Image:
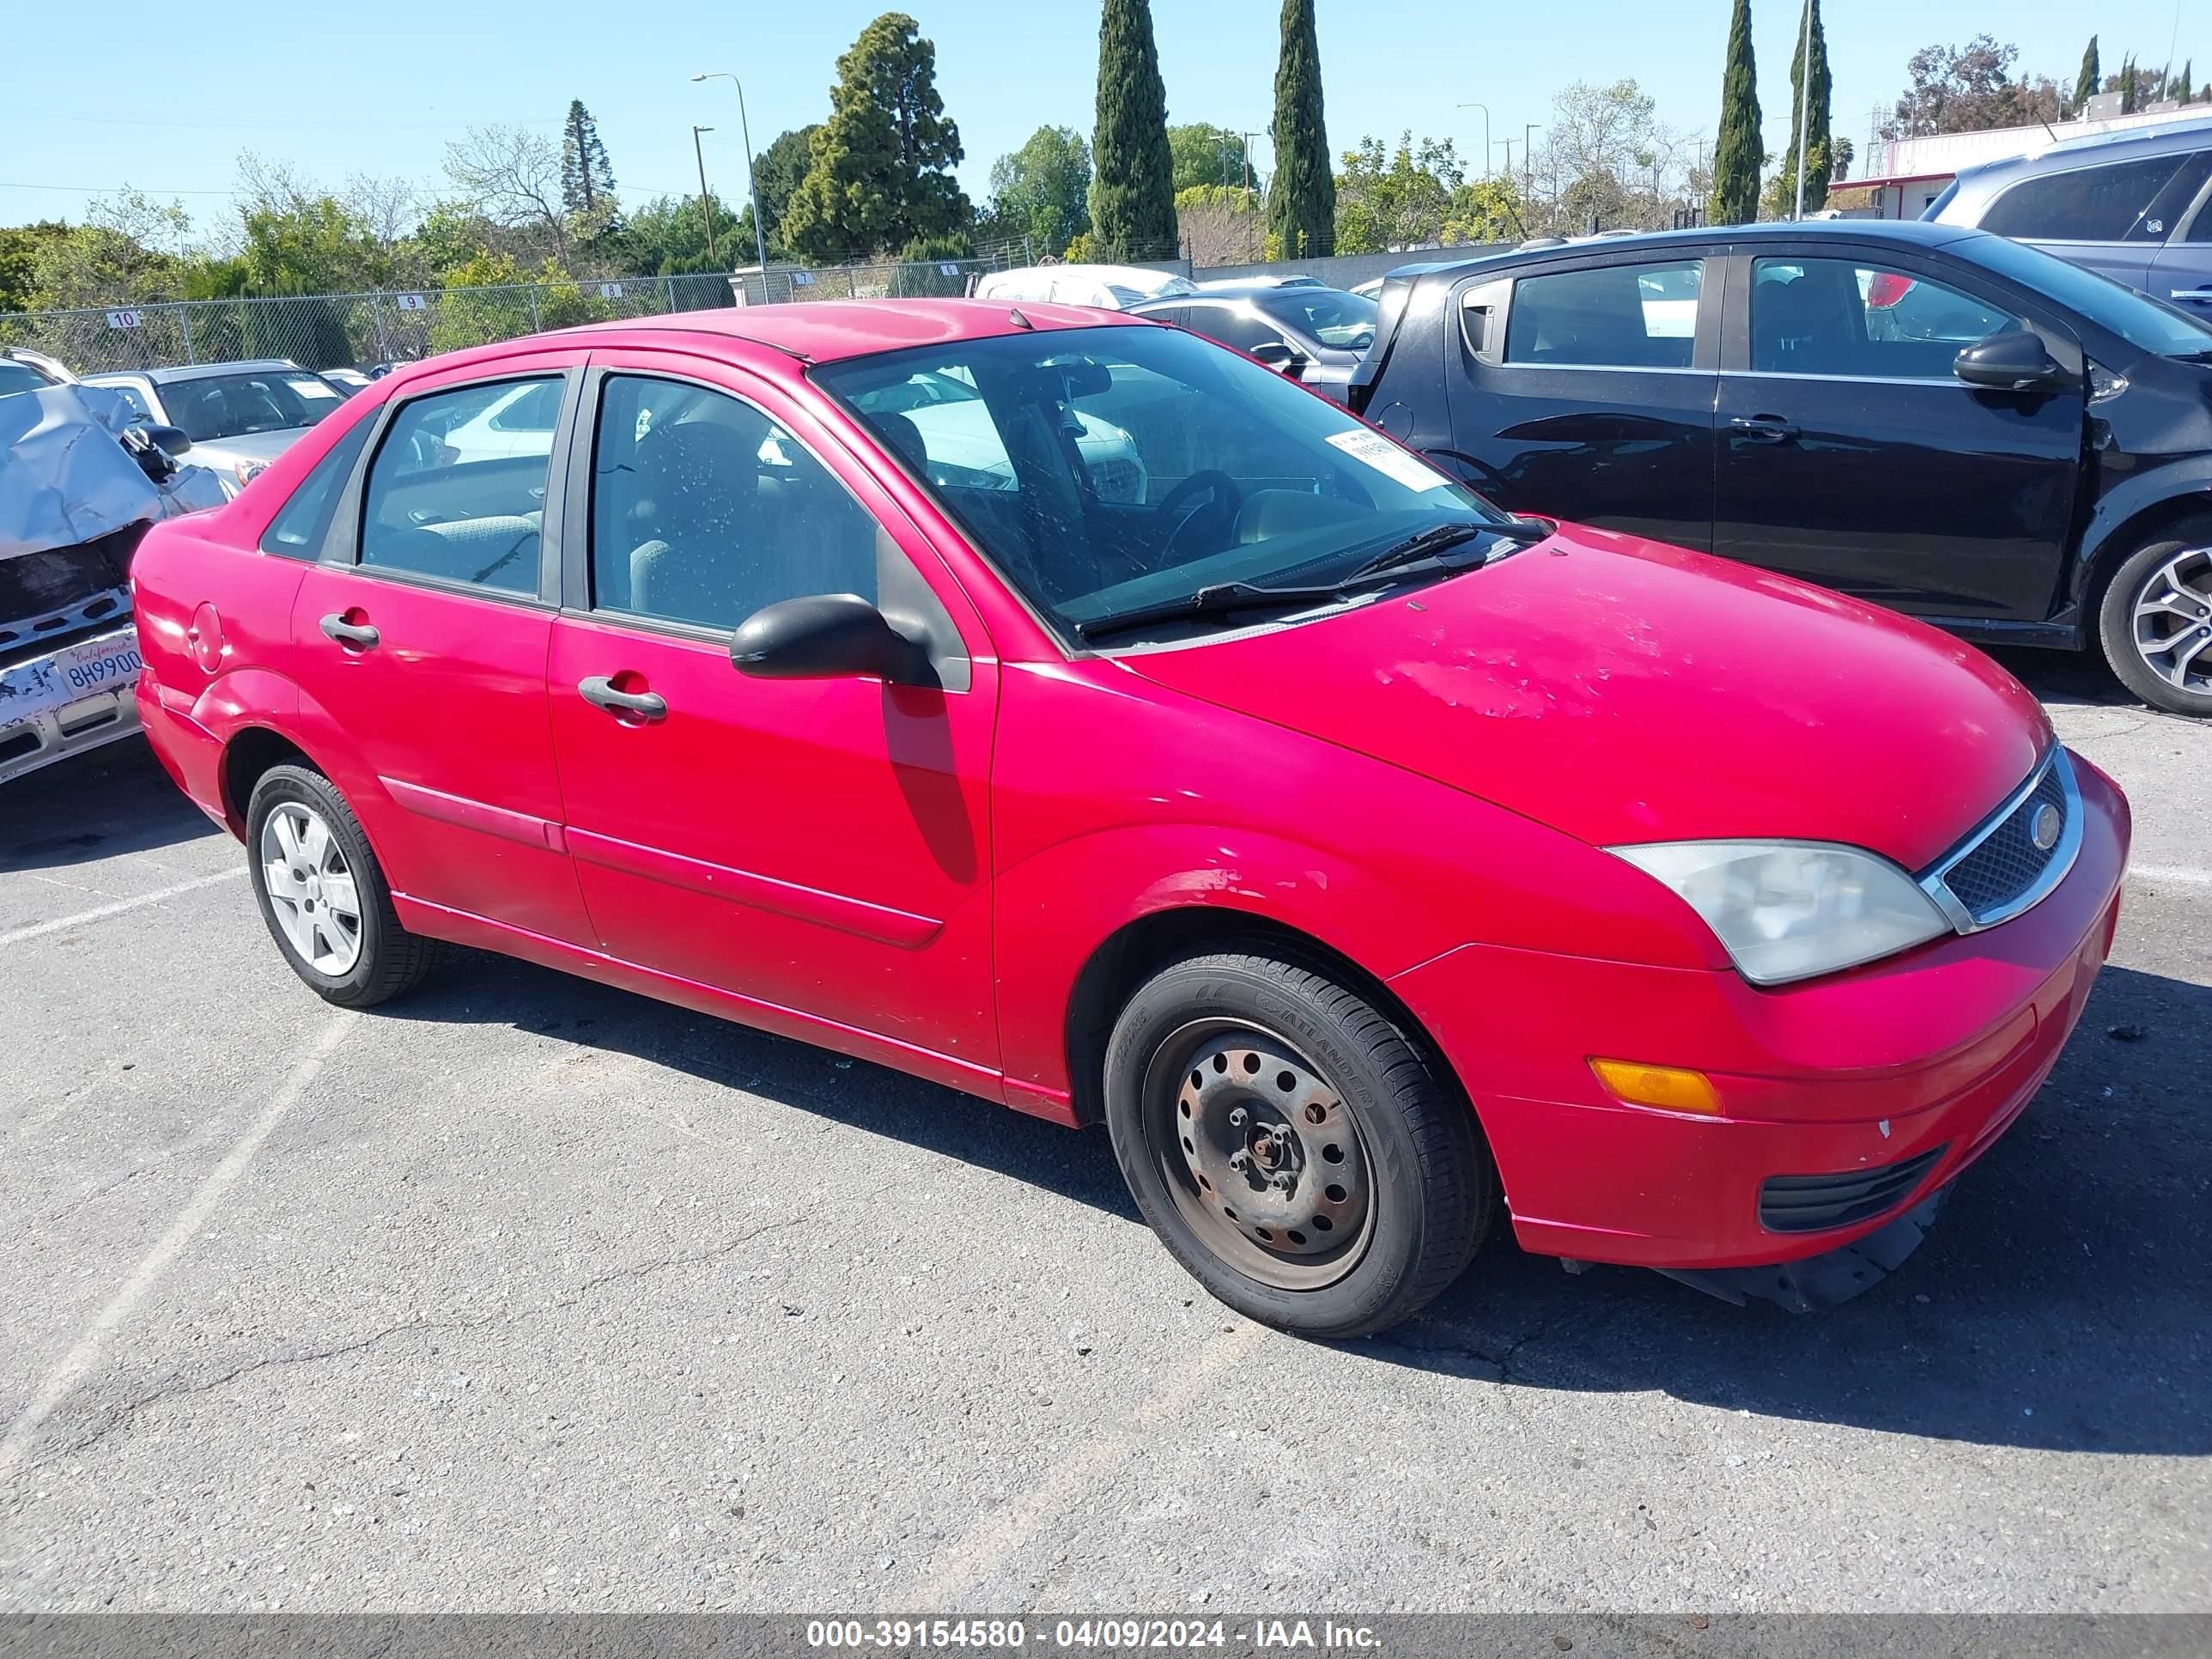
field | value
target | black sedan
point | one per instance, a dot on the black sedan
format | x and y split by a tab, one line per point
1929	417
1315	335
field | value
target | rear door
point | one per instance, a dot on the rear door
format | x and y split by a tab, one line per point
419	641
819	846
1585	391
1851	456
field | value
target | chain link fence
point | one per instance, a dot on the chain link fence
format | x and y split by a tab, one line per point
358	330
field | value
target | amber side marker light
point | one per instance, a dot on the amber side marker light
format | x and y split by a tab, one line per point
1664	1088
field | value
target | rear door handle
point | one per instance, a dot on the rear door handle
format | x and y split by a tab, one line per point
1764	428
357	636
599	691
2202	295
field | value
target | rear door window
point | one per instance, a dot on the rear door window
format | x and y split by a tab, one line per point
461	515
1608	317
2117	202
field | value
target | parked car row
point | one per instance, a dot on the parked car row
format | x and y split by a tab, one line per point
1378	865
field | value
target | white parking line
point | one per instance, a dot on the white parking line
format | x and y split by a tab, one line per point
985	1547
101	912
80	1360
2181	873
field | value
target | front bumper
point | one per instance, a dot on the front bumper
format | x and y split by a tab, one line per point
1917	1063
74	697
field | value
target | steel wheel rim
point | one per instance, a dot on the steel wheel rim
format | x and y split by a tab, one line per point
310	888
2172	621
1285	1193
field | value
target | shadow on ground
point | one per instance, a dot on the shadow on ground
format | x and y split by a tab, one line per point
2062	1301
114	800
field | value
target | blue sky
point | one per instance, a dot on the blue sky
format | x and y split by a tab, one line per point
332	89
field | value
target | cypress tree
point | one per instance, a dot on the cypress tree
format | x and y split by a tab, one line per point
1739	154
1302	203
2091	77
1132	187
2180	91
2128	86
1818	147
587	178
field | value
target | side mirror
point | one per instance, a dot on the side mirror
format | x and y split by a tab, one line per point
2012	361
170	440
1277	354
826	636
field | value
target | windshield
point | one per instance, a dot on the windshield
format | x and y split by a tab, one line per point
1105	469
2146	324
232	405
1326	314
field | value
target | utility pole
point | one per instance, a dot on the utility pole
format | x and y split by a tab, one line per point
1247	138
706	201
1484	108
1507	144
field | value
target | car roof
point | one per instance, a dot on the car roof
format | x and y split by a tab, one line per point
1254	289
817	330
1913	233
2165	139
180	372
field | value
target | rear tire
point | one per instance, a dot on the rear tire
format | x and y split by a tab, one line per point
324	895
1292	1149
2156	621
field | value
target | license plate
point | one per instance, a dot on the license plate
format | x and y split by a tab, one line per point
110	662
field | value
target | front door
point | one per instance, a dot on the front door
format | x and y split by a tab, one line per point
1851	456
1587	393
818	845
420	664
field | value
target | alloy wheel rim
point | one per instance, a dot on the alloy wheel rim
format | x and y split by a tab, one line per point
310	888
2172	621
1260	1153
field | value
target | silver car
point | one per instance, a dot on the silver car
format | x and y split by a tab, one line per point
2134	204
240	417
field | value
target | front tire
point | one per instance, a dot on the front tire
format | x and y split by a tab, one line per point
323	894
2155	621
1291	1148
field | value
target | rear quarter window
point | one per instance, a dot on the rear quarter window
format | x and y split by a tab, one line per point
303	522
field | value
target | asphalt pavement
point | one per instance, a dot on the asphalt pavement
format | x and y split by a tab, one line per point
525	1294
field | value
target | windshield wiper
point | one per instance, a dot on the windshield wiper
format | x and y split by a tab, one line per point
1427	544
1216	599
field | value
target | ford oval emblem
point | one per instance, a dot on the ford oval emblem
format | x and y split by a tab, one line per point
2044	828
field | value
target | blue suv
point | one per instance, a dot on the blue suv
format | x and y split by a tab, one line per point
2135	204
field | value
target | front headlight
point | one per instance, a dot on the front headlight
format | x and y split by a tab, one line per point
1790	910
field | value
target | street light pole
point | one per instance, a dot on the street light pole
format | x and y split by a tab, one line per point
1528	131
1484	108
752	174
706	201
1804	100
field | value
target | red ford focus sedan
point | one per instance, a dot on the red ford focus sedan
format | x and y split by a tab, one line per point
1078	714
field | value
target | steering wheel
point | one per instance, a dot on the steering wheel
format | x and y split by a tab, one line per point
1175	510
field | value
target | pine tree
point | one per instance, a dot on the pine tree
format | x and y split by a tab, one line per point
2086	83
588	178
1132	187
879	170
1740	154
1819	146
1301	202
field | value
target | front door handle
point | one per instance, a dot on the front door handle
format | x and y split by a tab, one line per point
2202	295
599	691
355	636
1764	428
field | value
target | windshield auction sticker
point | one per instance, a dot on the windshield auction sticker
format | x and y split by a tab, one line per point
1385	457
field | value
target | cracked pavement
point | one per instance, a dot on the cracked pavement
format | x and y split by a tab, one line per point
540	1297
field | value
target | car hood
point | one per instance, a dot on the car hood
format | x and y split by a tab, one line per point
1621	691
247	447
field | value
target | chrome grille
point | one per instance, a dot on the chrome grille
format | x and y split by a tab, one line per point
1999	872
